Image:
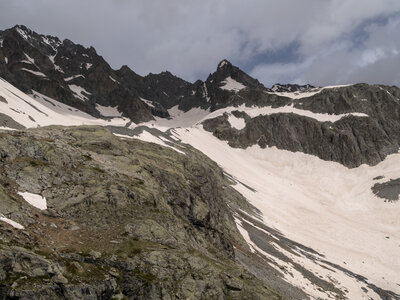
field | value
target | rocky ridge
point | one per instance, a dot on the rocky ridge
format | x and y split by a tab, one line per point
366	135
79	77
282	88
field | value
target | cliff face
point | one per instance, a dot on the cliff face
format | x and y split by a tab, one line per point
364	129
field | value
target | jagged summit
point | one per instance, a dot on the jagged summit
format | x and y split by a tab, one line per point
227	71
223	63
79	77
33	37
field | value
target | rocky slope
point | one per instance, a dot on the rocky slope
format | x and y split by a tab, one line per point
123	218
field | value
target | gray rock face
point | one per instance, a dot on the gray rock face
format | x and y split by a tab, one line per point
45	64
6	121
52	67
389	190
291	88
378	101
218	97
351	141
31	61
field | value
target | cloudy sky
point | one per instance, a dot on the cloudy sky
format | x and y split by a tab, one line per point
320	42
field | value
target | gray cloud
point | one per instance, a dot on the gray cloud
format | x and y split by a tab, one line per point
316	41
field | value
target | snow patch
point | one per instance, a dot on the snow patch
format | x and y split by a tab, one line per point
56	67
179	118
148	102
148	137
255	111
108	111
22	33
46	41
34	200
73	77
205	94
222	63
40	74
231	84
79	92
6	128
11	222
113	79
235	122
30	59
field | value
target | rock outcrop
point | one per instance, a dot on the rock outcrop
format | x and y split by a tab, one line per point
124	218
366	137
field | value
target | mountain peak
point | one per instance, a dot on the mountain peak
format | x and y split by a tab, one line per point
23	31
224	63
227	71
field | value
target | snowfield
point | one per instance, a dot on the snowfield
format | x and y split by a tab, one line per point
321	204
38	110
317	203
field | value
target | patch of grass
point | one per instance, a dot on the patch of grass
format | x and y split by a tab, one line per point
148	278
69	250
134	247
139	181
71	268
87	156
45	139
36	280
44	252
97	169
212	251
88	274
86	252
24	280
31	161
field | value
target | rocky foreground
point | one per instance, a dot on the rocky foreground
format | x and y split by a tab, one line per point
124	218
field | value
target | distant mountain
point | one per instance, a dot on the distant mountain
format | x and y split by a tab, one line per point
79	77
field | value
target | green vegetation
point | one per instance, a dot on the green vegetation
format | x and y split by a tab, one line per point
29	160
